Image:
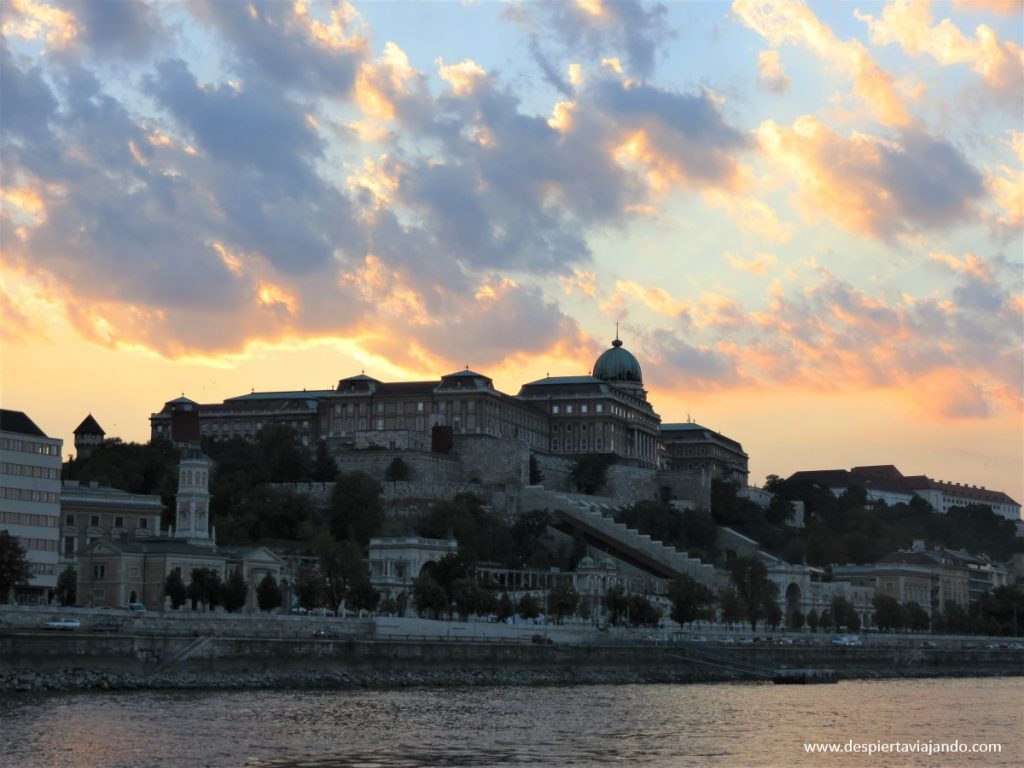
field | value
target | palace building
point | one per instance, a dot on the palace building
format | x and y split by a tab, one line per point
606	412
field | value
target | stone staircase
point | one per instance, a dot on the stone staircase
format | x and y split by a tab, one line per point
595	515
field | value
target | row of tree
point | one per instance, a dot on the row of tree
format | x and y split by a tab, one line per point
207	591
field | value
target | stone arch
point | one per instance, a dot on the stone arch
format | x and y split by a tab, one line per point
792	598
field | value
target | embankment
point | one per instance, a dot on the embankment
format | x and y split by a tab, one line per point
50	661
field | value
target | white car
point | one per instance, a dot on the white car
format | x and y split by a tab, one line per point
64	624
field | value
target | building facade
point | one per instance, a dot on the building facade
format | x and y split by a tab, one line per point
886	483
30	464
606	413
690	446
89	512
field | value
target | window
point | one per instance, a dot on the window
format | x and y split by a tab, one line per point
380	425
69	519
583	408
554	409
599	407
99	571
119	522
143	522
69	545
94	520
568	410
419	407
380	407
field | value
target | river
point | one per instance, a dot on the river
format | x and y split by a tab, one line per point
718	724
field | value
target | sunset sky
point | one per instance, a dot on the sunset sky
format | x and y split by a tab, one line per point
806	218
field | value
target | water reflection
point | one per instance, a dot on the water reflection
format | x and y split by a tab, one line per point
658	725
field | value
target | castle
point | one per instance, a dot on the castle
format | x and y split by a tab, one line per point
492	435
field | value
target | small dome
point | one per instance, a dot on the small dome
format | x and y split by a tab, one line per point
617	365
586	562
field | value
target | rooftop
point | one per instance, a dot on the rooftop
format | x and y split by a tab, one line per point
19	423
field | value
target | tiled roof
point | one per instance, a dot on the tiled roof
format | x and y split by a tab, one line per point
89	426
303	394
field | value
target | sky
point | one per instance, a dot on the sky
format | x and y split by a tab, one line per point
804	217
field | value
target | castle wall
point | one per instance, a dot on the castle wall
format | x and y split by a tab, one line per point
493	461
424	466
687	485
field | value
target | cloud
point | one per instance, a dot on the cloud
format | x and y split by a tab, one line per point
871	186
596	29
909	24
770	74
1006	185
121	27
788	22
758	264
317	51
31	20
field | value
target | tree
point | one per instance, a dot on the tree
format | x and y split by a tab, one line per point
14	565
536	476
325	469
205	588
341	565
362	596
398	470
917	617
310	588
429	597
812	620
780	511
175	589
356	509
795	620
67	586
590	472
691	600
616	604
468	597
845	614
642	613
562	600
731	605
528	607
887	613
505	609
268	594
235	592
774	616
750	578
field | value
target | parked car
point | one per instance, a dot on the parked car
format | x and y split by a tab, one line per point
65	624
542	640
928	644
847	640
136	607
327	632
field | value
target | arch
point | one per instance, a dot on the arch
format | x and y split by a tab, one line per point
427	568
134	597
792	597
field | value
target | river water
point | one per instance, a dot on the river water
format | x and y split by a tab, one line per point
646	725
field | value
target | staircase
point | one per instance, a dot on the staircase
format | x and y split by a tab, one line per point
594	517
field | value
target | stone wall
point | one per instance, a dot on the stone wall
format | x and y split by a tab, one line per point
492	461
693	487
424	466
630	483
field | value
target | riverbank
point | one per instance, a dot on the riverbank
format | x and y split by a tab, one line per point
52	662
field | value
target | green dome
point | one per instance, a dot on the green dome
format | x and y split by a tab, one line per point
617	365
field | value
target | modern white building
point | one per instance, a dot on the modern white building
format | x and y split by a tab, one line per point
30	464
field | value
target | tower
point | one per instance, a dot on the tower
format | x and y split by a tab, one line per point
192	503
88	435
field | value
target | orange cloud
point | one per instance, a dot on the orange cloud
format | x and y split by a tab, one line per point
752	215
1006	185
657	299
380	82
1002	7
909	24
869	185
30	20
758	264
770	74
463	77
789	22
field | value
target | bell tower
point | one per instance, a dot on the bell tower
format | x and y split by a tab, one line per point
192	503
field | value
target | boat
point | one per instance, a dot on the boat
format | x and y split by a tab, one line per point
785	676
